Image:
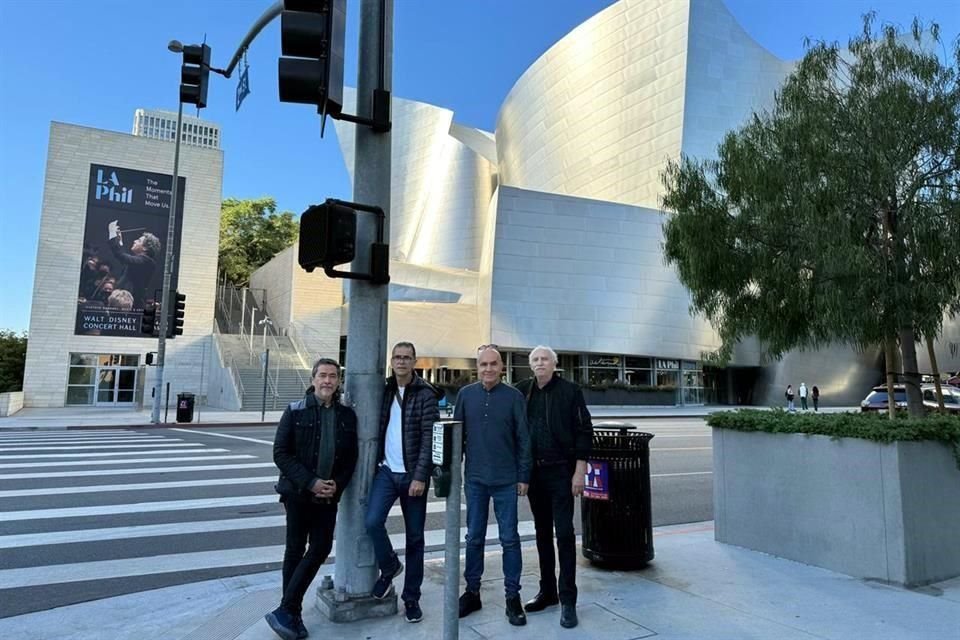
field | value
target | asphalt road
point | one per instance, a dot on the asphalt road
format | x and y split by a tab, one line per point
88	514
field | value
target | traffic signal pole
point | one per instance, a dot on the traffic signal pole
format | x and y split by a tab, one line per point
167	272
356	569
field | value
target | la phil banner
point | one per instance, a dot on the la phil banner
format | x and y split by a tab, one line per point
123	248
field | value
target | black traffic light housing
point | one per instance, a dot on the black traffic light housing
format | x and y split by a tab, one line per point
177	312
195	74
149	324
312	39
328	238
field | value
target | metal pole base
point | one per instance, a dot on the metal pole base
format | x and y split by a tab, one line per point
337	606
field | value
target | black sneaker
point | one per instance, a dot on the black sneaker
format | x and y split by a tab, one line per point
413	612
515	614
301	629
384	583
469	602
282	623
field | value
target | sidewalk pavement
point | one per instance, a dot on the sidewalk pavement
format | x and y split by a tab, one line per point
61	417
695	589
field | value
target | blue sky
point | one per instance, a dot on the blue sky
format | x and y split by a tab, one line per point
94	62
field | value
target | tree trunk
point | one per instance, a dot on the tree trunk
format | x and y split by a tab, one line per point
911	374
890	357
936	374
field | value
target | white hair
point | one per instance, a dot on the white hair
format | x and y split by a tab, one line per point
543	347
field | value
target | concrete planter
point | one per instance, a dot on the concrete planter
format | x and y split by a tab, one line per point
625	397
10	403
888	512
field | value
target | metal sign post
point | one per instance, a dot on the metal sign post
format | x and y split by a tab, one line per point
447	452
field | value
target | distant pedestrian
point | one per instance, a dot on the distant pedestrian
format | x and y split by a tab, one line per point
803	395
789	396
816	398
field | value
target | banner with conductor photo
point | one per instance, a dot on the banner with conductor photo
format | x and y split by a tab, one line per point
124	244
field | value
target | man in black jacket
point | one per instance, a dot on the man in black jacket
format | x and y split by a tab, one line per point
407	414
316	451
561	433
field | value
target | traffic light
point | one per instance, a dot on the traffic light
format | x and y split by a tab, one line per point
177	311
328	236
195	74
148	323
312	34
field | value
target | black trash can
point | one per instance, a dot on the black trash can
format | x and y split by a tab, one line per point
185	402
615	511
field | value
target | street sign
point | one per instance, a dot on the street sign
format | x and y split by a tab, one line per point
243	86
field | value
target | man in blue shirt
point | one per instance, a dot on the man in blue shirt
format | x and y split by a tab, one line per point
498	463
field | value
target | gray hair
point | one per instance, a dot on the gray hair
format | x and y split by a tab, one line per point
151	243
324	361
120	299
543	347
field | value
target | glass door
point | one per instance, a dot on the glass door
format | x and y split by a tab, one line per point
116	386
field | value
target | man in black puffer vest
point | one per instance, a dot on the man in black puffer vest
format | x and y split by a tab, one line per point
561	433
407	415
316	451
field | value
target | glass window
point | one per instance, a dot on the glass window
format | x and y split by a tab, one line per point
81	375
634	362
668	379
570	366
129	360
87	359
639	377
599	360
79	395
668	364
602	376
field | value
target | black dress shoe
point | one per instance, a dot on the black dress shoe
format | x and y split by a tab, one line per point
568	616
540	602
469	602
515	614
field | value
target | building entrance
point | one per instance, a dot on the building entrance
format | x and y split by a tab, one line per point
116	386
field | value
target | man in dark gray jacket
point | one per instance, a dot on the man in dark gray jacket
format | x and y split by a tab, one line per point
498	464
316	451
407	414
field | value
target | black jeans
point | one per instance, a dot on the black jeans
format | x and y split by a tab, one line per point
305	521
551	501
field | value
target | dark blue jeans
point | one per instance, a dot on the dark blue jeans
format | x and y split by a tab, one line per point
387	487
478	511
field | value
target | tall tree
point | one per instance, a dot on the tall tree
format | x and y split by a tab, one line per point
251	233
835	215
13	355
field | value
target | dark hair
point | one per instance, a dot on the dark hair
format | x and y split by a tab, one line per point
324	361
408	345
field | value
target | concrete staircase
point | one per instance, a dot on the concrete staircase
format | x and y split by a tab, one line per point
287	380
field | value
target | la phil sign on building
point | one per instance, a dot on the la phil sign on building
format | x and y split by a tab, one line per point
125	230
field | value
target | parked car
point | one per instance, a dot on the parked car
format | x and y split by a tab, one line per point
955	380
951	398
877	400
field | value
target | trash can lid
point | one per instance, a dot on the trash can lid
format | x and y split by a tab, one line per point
624	429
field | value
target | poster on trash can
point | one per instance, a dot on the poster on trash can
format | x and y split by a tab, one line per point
597	484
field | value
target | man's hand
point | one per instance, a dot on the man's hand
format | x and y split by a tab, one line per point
112	230
417	487
522	488
579	478
324	488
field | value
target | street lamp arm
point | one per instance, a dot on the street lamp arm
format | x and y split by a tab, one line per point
272	12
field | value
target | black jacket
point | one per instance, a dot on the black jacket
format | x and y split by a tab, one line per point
296	448
419	411
567	416
137	273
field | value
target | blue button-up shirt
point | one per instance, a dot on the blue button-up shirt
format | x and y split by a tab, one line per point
497	437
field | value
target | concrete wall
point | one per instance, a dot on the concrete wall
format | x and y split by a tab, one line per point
276	279
221	391
71	151
10	403
880	511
